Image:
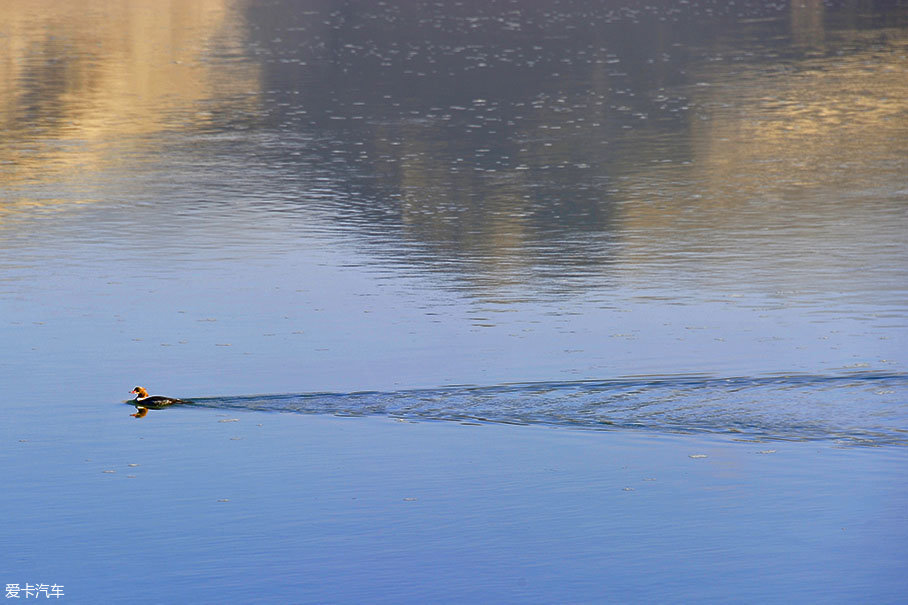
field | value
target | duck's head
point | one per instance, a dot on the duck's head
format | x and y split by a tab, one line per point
140	392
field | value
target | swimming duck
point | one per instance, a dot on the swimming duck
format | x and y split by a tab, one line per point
143	402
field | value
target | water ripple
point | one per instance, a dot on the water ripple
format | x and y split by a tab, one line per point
861	408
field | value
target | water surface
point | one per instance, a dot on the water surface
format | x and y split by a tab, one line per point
412	195
672	218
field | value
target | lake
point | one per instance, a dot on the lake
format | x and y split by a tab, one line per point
526	232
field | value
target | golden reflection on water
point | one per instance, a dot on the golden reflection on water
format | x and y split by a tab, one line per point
807	22
86	85
832	130
788	158
799	167
767	145
91	90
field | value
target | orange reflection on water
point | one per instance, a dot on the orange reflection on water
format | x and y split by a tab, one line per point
83	86
776	148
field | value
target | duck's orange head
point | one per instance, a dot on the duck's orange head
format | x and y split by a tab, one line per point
140	392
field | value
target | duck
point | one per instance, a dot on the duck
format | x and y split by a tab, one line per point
143	402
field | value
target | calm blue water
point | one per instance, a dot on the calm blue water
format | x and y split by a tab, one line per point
680	218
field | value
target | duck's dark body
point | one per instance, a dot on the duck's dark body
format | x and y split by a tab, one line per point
155	402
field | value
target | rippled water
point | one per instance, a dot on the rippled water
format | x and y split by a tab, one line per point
277	197
269	197
681	217
779	407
